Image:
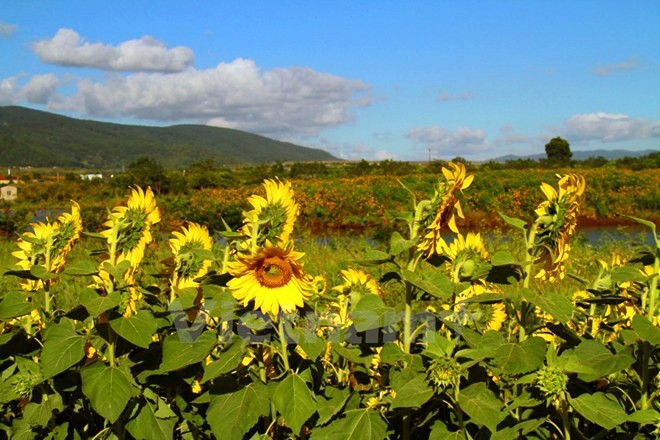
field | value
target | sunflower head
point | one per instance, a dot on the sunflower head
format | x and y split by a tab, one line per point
441	211
272	217
129	227
357	282
191	247
273	278
485	316
49	244
465	253
444	373
556	221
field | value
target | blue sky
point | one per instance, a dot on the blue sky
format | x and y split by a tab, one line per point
368	79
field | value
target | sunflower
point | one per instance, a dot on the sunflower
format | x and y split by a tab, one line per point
272	277
48	244
442	210
485	316
129	227
465	253
273	216
556	222
358	280
191	248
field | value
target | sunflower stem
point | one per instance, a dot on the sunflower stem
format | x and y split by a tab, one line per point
406	320
283	343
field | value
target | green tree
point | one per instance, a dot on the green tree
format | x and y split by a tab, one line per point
558	150
145	171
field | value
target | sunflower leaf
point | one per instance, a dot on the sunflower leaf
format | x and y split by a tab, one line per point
357	424
178	354
294	400
229	359
63	347
108	388
600	409
14	305
137	329
232	415
372	313
515	222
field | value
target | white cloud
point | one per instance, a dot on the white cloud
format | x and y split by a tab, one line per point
354	151
7	29
508	136
9	91
630	64
285	101
462	141
445	96
67	48
40	88
608	127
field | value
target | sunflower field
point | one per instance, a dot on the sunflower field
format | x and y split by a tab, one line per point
230	336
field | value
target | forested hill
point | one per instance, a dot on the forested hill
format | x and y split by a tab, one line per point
41	139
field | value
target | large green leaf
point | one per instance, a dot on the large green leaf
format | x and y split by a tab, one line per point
230	358
14	304
592	360
646	330
398	244
178	354
97	304
520	358
108	389
155	420
232	415
357	424
310	342
599	408
137	329
63	348
330	404
515	222
411	388
39	414
483	407
293	399
559	306
372	313
81	268
436	284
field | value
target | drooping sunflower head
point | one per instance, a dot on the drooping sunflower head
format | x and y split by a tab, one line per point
556	221
191	247
483	315
273	278
129	227
358	282
442	209
274	215
70	227
465	253
49	243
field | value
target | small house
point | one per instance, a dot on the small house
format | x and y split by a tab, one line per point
8	192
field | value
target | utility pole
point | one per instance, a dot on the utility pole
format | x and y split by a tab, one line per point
429	155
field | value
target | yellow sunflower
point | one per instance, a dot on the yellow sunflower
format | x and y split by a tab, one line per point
191	248
485	316
272	277
129	227
127	236
48	244
274	215
358	280
556	222
443	209
465	253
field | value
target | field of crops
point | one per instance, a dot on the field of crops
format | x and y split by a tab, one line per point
221	313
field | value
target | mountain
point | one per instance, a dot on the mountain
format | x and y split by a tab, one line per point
36	138
582	155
